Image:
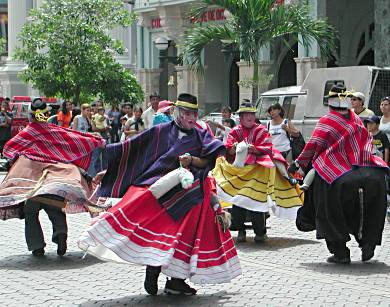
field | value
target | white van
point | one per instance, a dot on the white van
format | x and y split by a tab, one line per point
305	104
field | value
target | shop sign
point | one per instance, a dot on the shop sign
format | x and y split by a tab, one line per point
156	23
216	14
210	15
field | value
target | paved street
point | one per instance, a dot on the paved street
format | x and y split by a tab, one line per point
289	269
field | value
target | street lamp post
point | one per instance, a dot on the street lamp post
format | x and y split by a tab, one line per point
167	77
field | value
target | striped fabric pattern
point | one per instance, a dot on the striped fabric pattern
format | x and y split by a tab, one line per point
261	139
257	188
337	144
139	230
49	143
145	158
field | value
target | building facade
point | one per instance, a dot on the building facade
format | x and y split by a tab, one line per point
363	27
364	39
13	14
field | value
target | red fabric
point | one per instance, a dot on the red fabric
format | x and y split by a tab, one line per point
49	143
261	139
338	143
140	218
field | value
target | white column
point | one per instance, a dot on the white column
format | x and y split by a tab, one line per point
10	84
17	13
310	57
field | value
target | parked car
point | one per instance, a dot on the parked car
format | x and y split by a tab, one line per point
305	104
217	117
19	106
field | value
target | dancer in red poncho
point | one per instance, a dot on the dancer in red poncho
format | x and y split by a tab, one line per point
259	181
48	168
348	194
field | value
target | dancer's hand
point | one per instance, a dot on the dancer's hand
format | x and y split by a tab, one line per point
185	160
292	169
251	148
98	178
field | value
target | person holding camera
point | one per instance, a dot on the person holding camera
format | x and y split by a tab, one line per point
6	118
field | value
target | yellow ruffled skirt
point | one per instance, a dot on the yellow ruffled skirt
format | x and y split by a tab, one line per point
256	188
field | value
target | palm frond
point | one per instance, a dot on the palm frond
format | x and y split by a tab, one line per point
296	20
197	38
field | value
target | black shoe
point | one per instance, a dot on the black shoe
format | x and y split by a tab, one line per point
367	252
61	248
241	237
151	279
334	259
178	287
40	252
260	238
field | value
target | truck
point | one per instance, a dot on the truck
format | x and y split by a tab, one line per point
305	104
19	106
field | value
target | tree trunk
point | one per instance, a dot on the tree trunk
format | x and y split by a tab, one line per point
255	85
76	99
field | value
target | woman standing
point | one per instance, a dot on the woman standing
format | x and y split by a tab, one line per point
5	124
281	129
64	117
82	122
114	116
384	125
135	124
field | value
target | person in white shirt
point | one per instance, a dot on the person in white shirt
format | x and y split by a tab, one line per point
281	129
357	102
148	115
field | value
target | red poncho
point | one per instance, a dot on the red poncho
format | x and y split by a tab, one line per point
49	143
261	139
338	143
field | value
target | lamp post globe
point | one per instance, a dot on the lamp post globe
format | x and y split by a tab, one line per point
161	43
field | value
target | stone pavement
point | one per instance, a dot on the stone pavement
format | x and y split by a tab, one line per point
289	269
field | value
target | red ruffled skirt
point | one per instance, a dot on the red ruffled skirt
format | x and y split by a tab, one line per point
139	230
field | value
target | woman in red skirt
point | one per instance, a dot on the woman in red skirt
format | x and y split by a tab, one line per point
174	231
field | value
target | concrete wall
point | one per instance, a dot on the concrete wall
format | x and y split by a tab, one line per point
351	18
382	32
216	77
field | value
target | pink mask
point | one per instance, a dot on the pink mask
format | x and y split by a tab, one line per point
186	119
247	119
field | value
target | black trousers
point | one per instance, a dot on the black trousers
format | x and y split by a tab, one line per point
337	248
258	220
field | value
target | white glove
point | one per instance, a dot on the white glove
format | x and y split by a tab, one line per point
241	154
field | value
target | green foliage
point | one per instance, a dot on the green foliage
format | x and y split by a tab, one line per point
253	24
70	54
3	43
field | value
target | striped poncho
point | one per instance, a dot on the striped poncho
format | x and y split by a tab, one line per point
259	137
337	144
44	142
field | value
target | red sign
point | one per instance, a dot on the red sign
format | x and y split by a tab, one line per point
210	15
156	23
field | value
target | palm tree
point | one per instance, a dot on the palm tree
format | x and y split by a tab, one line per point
253	24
